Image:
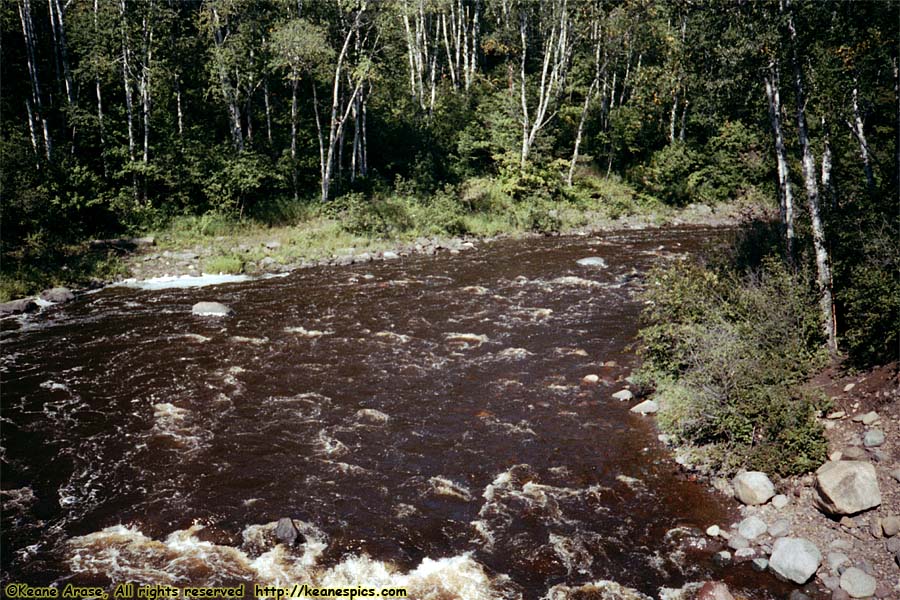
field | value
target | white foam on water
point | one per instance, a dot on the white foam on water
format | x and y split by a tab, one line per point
330	446
124	553
397	338
54	385
571	281
195	337
475	289
466	340
441	486
239	339
370	416
573	554
181	281
171	422
515	354
307	333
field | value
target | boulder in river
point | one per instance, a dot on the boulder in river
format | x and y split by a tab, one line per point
646	407
15	307
753	487
623	395
795	559
592	261
847	487
714	590
210	309
286	532
58	295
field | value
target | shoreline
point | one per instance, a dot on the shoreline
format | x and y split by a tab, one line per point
154	257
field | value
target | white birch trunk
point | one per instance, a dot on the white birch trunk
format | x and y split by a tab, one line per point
785	193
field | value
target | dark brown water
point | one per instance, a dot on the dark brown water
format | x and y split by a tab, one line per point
423	421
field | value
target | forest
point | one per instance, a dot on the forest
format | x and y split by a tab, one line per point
123	116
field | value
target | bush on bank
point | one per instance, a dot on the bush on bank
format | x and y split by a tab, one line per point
727	354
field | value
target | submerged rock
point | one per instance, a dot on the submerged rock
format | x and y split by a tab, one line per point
753	487
211	309
795	559
847	487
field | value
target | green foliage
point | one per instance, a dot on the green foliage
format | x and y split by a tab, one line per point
224	264
728	355
376	216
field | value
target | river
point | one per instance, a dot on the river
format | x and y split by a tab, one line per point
423	421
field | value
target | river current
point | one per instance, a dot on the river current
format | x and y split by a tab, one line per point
423	421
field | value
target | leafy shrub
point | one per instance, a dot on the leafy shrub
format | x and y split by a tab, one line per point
378	216
666	175
728	354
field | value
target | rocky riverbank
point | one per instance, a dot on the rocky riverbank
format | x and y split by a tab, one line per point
834	533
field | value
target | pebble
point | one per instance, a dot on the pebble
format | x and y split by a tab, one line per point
849	387
646	407
870	418
853	453
893	545
590	379
780	501
896	474
389	255
838	414
713	531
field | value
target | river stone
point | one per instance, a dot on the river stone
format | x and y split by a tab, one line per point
873	438
15	307
623	395
737	542
759	564
836	560
714	590
722	558
780	528
847	487
780	501
893	545
286	532
753	487
752	527
870	418
591	379
592	261
858	583
58	295
646	407
389	255
211	309
890	526
853	453
713	530
795	559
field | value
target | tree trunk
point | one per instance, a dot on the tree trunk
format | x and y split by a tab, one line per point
126	82
56	10
100	98
37	109
178	106
785	193
827	161
859	132
295	81
268	110
145	78
812	196
228	93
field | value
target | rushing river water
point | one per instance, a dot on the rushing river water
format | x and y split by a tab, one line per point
423	421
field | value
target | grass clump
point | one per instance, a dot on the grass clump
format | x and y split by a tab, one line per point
228	265
727	354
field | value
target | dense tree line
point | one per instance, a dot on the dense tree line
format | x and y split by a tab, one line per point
117	114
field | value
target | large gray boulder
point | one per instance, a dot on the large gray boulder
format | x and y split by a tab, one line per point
286	532
847	487
210	309
753	487
646	407
15	307
58	295
795	559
